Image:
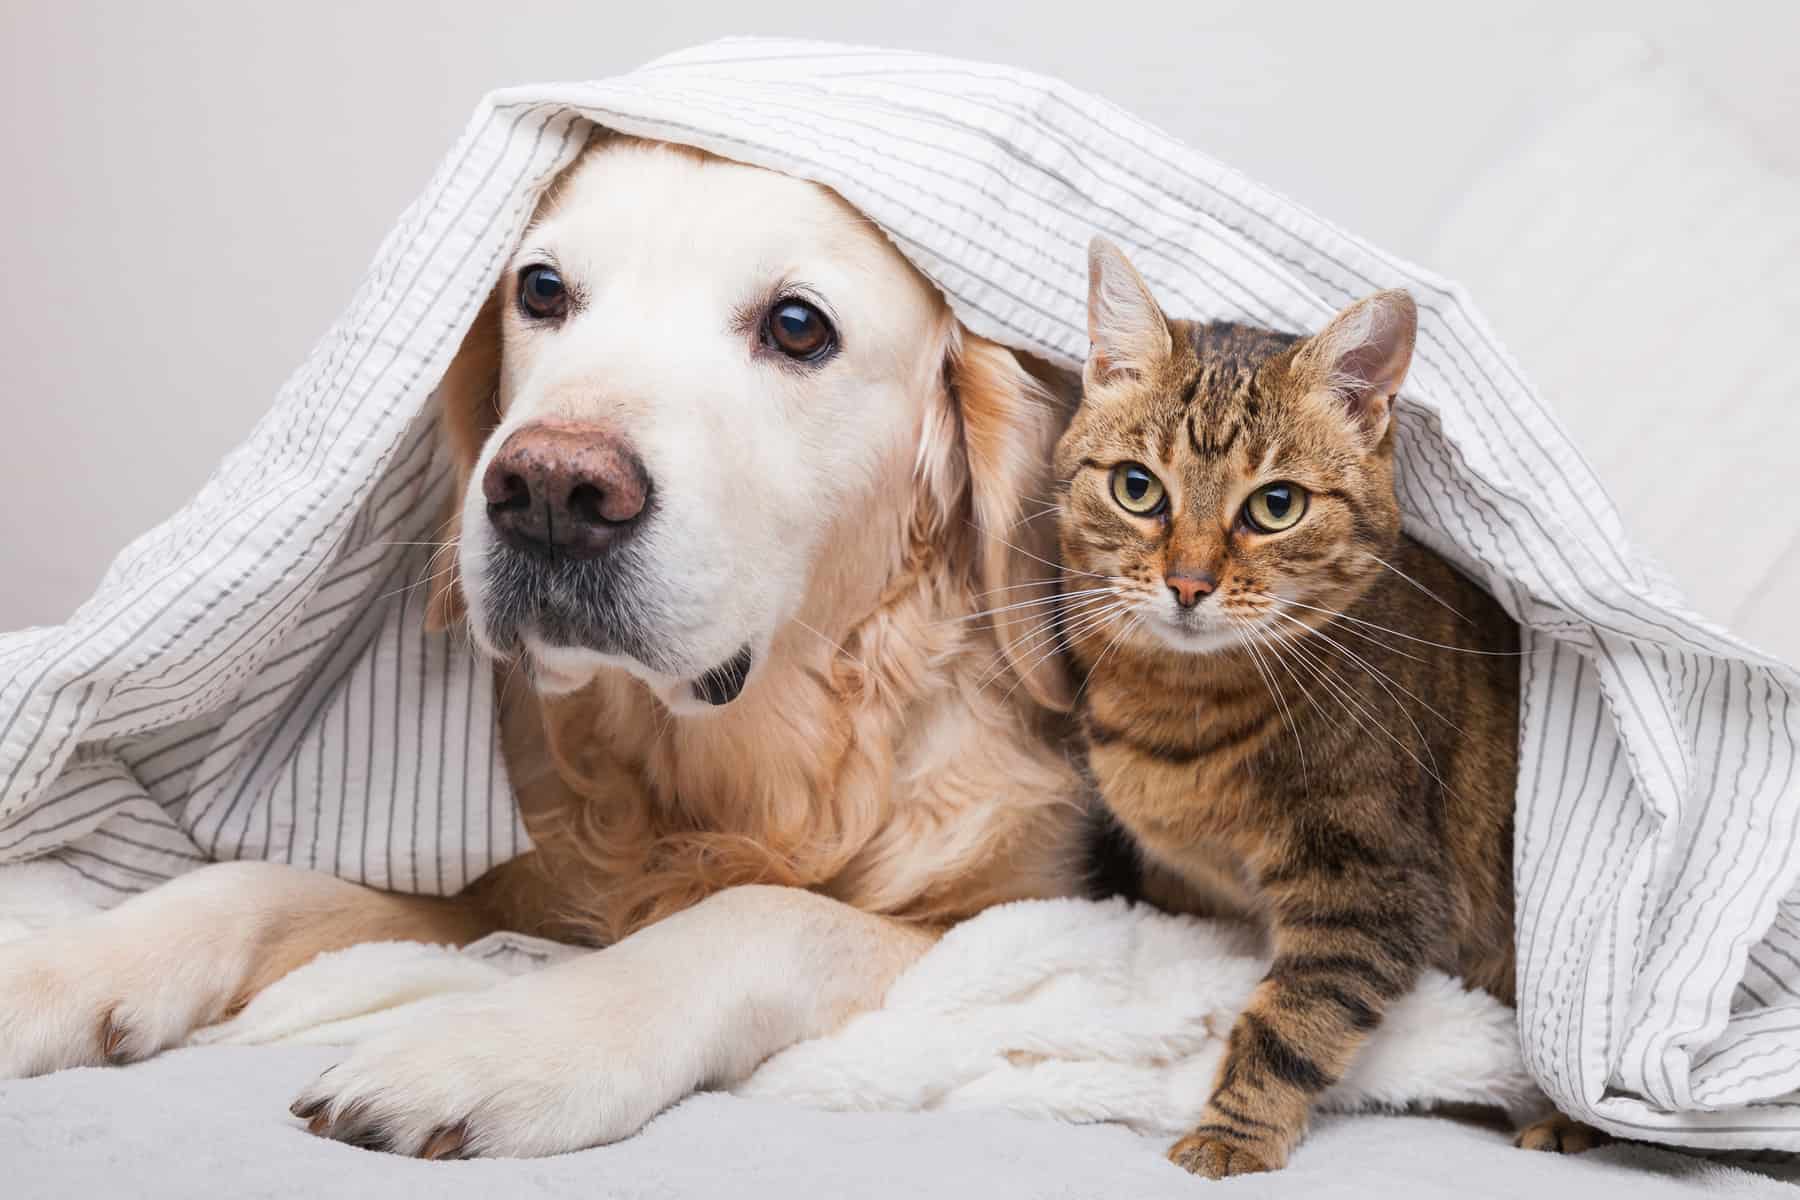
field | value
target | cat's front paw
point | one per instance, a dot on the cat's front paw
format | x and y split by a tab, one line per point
1216	1153
1558	1134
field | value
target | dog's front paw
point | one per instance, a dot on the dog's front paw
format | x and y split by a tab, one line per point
501	1075
74	999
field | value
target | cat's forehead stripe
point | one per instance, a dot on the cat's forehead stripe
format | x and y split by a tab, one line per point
1211	442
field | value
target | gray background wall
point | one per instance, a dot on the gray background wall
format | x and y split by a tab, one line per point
191	190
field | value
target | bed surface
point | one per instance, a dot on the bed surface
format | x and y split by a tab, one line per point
217	1115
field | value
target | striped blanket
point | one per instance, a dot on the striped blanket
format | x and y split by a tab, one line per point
253	679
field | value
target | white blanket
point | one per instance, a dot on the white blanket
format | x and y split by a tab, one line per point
1062	1008
252	677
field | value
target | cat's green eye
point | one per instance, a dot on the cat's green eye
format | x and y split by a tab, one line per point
1275	507
1136	489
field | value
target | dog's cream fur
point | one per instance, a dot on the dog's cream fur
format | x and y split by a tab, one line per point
757	872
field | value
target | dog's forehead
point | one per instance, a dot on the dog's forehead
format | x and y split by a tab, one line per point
662	204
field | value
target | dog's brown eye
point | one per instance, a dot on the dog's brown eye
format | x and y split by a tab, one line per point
542	294
799	330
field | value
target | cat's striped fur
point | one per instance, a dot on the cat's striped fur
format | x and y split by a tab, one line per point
1325	737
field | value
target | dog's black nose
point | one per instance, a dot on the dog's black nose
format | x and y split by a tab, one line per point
563	489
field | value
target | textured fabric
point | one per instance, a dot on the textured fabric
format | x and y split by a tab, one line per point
1069	1009
214	1122
252	678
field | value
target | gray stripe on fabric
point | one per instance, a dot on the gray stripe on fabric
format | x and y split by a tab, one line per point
287	532
402	503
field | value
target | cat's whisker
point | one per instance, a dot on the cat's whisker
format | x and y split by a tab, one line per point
1424	743
1058	634
1285	634
1039	602
1381	677
1040	514
1408	578
1053	634
1058	643
1383	628
1129	628
1338	689
1066	632
1026	642
1245	634
1035	558
1331	687
1049	618
1053	581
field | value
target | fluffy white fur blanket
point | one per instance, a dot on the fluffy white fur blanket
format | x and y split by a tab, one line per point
1061	1008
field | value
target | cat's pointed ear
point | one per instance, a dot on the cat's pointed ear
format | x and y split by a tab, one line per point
1127	331
1361	357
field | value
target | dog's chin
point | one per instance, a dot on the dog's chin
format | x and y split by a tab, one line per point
558	670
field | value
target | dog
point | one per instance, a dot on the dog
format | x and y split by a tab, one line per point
739	498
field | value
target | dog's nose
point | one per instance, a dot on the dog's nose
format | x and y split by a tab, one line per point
560	488
1190	587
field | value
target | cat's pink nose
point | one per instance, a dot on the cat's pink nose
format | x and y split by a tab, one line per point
1190	587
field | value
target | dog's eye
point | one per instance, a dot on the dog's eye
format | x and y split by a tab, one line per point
542	294
799	330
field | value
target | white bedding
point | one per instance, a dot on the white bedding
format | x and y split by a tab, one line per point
252	681
1067	1009
213	1120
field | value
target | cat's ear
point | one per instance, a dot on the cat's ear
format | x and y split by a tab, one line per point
1361	357
1127	331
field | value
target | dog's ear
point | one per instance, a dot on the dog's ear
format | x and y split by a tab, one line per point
468	401
1009	424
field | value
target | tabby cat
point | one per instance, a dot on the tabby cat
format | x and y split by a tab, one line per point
1296	711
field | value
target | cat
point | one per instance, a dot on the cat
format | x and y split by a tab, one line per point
1297	712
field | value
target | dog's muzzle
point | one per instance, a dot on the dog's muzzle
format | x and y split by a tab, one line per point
564	501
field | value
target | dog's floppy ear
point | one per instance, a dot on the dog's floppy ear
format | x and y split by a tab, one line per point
468	408
1010	423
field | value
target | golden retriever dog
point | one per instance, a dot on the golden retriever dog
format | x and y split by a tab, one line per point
740	496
